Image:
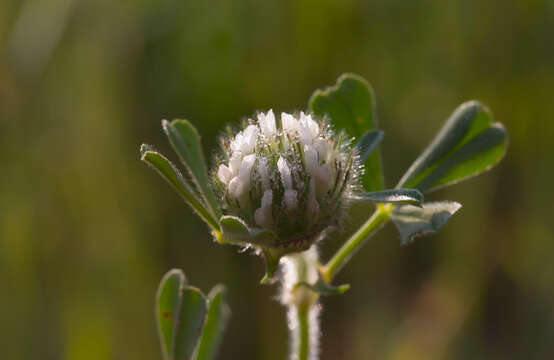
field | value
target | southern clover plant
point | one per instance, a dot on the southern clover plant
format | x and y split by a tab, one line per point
280	183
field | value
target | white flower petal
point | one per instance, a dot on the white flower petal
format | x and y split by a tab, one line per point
290	200
246	168
267	198
224	174
263	171
323	177
320	145
267	123
236	187
310	157
313	206
289	123
263	215
236	143
307	129
234	162
312	125
249	139
304	135
284	170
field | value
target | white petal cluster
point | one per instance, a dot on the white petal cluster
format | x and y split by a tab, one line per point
290	197
288	171
267	124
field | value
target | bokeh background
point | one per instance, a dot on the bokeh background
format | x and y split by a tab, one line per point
87	230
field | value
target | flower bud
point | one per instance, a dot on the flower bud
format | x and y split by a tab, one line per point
291	178
263	215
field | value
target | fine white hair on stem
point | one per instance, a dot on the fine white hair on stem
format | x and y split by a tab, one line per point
303	309
294	328
296	268
314	332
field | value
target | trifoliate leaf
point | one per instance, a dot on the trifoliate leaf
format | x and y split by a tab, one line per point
185	140
191	318
170	173
399	196
216	320
167	309
350	105
468	144
180	313
412	221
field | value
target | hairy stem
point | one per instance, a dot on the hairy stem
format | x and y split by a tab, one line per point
304	327
302	303
304	333
350	247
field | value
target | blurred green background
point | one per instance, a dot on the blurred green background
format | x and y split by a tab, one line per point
87	230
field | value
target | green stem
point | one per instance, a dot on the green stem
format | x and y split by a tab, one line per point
350	247
302	303
303	346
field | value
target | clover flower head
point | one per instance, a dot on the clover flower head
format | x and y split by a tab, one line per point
290	176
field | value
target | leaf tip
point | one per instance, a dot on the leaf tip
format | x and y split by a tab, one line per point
413	222
343	288
455	207
348	76
144	148
165	126
271	264
218	289
174	272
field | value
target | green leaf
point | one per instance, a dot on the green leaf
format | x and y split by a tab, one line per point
167	309
191	318
170	173
412	221
180	313
235	230
324	288
351	106
401	196
216	321
262	237
185	140
272	258
468	144
368	142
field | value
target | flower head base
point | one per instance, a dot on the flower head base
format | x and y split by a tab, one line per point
290	178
